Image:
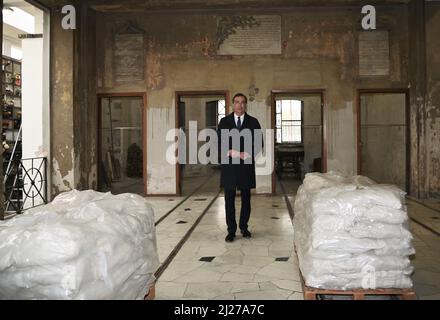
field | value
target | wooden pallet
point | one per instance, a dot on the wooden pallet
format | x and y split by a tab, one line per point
357	294
151	295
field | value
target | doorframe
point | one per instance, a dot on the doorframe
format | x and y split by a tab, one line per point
2	209
194	93
322	94
407	133
142	95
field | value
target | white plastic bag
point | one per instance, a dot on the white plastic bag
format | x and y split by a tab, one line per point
83	245
346	225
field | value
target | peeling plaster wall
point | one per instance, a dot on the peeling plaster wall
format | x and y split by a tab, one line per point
62	99
319	52
424	67
85	106
433	98
73	103
160	174
1	124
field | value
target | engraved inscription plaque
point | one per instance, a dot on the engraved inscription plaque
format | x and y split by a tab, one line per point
128	57
374	53
249	35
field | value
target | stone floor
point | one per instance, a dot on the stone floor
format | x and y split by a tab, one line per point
265	266
426	277
433	204
424	215
125	185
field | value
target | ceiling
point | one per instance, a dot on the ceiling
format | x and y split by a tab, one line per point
23	5
178	5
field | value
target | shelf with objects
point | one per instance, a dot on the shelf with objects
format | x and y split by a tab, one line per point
11	133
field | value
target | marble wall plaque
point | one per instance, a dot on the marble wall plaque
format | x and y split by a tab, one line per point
259	34
128	57
374	53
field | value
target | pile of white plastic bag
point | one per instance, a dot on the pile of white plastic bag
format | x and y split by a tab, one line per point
83	245
352	233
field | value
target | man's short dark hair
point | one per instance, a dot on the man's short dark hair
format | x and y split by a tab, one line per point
239	95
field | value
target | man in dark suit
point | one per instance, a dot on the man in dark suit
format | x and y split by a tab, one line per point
238	162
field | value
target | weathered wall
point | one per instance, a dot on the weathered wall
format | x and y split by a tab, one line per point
319	51
1	126
424	97
433	98
62	101
85	107
73	103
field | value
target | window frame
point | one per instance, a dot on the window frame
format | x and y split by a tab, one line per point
301	142
217	111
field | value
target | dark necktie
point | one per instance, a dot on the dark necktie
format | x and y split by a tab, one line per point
239	123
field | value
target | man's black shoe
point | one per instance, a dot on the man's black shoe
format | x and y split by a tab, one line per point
230	237
246	234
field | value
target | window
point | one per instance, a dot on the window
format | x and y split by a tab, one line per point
16	53
19	19
289	121
215	111
221	110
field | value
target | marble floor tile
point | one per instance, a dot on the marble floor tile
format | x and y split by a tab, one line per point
288	285
230	259
177	270
261	295
236	277
261	251
296	296
207	290
281	269
220	267
225	297
242	267
200	275
267	285
170	290
246	268
244	287
258	261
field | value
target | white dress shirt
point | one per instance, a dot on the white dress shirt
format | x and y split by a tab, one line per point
241	119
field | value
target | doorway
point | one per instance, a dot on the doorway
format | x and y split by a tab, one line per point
205	108
298	121
383	136
122	143
26	105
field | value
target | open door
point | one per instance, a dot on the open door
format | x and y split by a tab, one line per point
205	108
122	159
383	137
297	117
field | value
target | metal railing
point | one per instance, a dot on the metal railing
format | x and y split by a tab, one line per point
25	184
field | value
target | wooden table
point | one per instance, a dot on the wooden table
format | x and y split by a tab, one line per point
289	154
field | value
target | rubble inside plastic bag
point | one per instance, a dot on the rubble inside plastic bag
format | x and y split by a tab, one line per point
83	245
351	232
